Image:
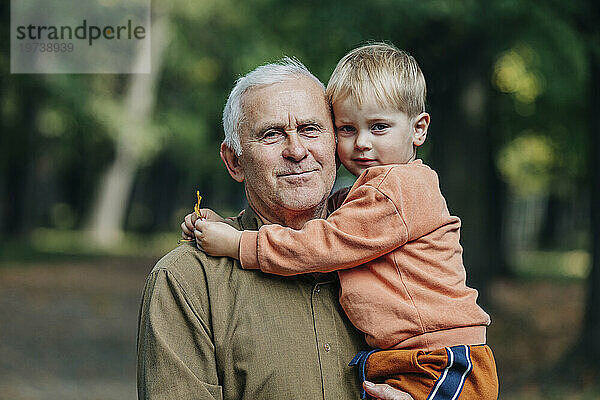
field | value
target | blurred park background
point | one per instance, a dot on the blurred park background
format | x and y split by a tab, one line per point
97	172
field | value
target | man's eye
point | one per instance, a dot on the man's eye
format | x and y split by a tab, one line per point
379	127
271	135
311	130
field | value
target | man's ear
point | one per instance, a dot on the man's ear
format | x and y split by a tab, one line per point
420	128
232	163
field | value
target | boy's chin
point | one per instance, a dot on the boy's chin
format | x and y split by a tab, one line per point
356	170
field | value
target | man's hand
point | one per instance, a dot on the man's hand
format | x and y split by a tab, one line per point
187	226
385	392
217	238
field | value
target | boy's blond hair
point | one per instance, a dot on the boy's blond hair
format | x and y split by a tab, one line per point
382	72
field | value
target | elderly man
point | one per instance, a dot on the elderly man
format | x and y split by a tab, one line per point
209	329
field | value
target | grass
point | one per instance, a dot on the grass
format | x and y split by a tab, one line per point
59	244
570	264
56	245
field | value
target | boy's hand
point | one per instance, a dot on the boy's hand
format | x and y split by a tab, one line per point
217	238
187	226
210	215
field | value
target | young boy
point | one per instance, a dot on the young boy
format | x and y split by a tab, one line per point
391	239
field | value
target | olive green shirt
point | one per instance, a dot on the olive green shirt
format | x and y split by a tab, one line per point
210	330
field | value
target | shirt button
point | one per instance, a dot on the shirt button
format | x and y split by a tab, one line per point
327	347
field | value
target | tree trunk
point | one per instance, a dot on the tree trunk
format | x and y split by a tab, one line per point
549	232
462	149
590	346
108	213
583	360
21	207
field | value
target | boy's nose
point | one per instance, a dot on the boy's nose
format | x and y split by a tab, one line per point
363	141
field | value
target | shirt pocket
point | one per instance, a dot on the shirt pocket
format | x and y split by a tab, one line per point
216	391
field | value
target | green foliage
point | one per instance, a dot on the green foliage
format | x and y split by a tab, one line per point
513	74
537	76
527	163
573	264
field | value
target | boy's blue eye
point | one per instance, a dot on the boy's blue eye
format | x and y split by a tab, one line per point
379	127
345	129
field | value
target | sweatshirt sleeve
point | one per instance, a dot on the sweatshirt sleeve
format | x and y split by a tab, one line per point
416	192
368	225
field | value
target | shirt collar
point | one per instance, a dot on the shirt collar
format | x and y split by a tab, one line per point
249	220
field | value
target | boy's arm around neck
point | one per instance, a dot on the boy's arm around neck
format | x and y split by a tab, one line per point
367	226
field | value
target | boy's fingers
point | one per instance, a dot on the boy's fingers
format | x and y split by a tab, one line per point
185	231
189	221
200	223
208	214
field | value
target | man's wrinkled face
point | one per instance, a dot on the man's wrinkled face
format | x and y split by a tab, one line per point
288	147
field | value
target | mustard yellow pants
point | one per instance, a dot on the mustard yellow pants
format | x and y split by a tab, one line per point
459	372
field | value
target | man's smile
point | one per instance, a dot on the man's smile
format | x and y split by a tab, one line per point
296	173
298	177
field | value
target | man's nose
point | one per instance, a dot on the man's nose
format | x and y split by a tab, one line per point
363	141
294	148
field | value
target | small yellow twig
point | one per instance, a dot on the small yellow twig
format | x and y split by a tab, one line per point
197	205
197	211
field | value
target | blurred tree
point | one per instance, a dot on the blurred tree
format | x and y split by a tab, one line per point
135	137
20	100
21	154
589	346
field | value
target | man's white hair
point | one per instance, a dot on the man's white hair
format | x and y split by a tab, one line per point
233	114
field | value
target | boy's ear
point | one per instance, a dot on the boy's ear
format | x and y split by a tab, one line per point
232	162
420	128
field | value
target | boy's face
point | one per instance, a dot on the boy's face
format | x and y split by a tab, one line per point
369	135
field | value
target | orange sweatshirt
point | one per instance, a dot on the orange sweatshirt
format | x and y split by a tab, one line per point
397	252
